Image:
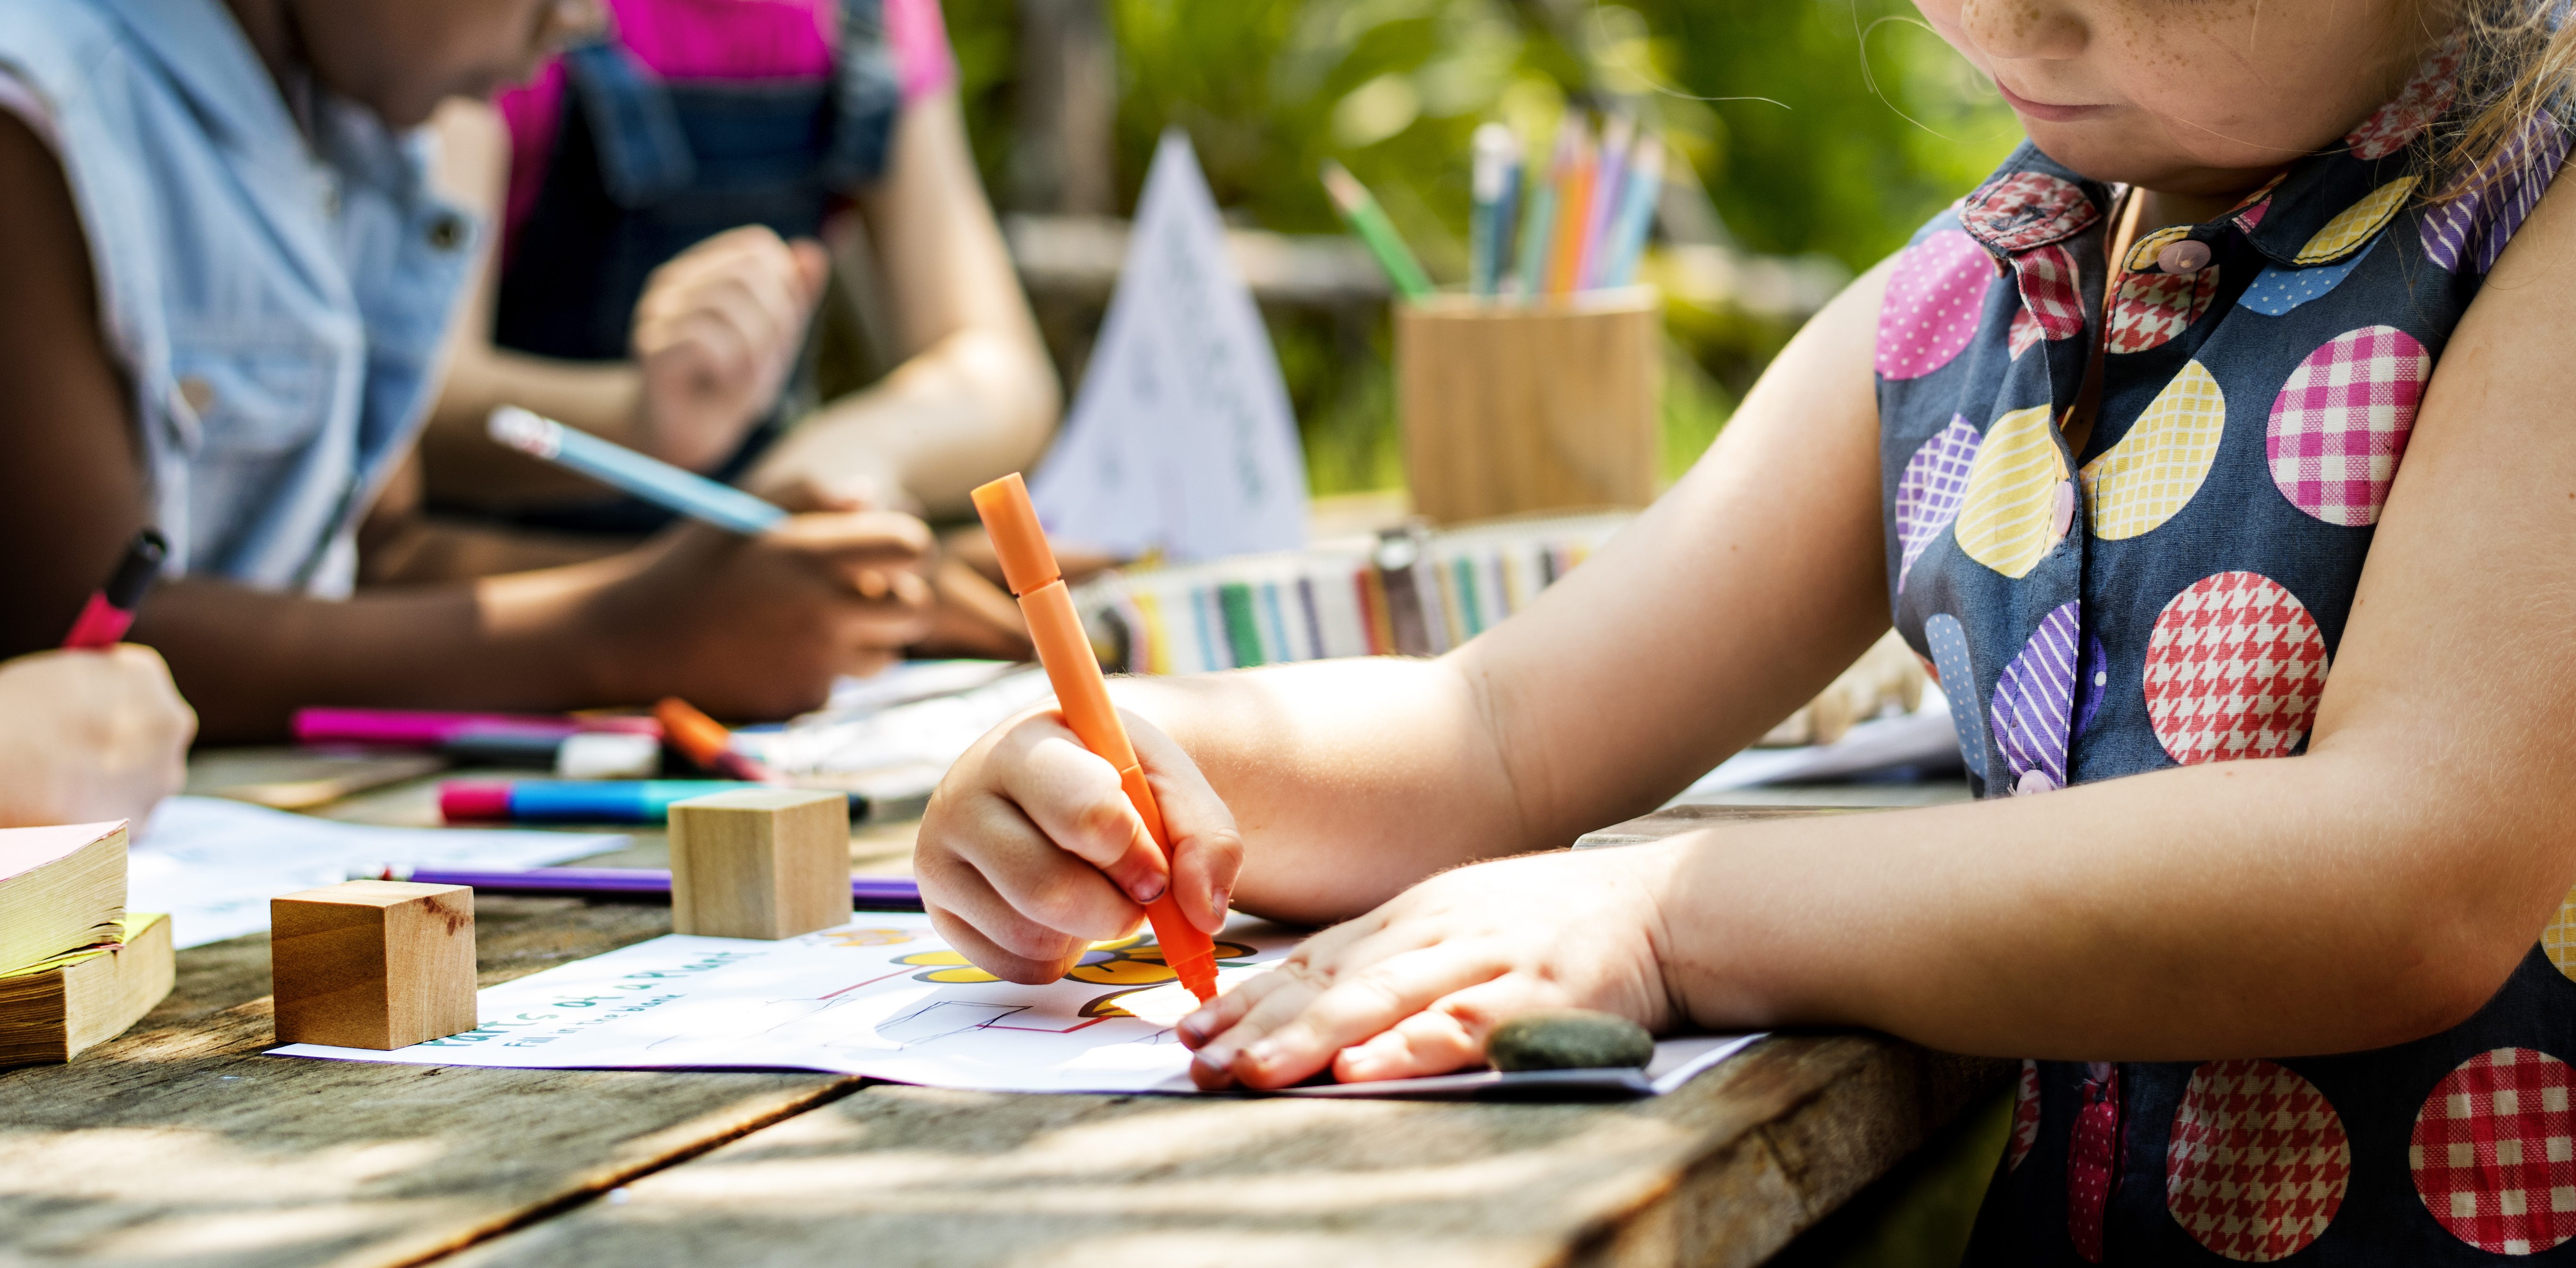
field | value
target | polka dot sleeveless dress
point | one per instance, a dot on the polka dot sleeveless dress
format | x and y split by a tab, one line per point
2173	593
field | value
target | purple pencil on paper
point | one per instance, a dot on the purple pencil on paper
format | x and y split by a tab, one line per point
876	893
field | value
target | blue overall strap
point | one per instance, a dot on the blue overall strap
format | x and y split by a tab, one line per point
867	94
643	153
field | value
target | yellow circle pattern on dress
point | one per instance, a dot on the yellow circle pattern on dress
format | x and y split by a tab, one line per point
2147	478
2004	518
2559	939
2143	256
2354	225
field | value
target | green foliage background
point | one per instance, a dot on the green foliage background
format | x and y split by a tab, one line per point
1870	125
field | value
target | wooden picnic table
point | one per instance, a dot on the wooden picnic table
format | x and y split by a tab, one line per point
179	1144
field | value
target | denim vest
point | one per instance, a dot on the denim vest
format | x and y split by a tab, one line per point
645	168
277	302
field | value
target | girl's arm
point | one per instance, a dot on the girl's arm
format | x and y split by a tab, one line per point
743	627
2377	889
716	333
976	396
1727	605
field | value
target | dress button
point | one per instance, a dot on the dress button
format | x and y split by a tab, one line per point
2034	782
2061	512
447	232
2186	256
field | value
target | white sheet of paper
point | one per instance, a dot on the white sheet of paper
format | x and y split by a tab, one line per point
1924	738
883	997
214	864
929	733
1181	437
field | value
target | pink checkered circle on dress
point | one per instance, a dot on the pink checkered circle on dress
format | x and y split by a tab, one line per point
2494	1152
2340	424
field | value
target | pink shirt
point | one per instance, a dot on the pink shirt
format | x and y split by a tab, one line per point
722	39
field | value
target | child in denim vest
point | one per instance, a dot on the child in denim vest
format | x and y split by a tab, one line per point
237	269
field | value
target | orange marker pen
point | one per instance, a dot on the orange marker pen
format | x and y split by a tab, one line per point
1029	568
706	742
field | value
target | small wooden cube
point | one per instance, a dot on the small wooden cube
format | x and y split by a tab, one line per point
760	863
373	964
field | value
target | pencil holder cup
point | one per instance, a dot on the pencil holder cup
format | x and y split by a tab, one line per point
1510	407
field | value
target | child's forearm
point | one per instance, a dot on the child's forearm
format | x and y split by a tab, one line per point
1350	780
2333	902
601	398
246	658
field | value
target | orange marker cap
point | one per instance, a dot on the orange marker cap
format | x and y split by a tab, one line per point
1027	561
692	732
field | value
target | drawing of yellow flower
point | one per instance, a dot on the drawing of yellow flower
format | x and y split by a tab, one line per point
1130	961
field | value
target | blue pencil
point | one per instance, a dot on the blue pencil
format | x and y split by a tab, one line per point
1635	215
1538	225
1497	153
655	481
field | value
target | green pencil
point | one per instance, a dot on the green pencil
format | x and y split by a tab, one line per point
1362	214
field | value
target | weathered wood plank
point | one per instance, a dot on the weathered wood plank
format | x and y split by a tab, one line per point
182	1145
1722	1172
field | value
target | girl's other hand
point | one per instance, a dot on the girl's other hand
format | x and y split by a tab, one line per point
1413	988
757	627
90	736
1030	852
716	333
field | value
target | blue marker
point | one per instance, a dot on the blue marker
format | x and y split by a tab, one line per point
655	481
581	800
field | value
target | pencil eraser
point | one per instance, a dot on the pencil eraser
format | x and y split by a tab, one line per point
1028	562
473	800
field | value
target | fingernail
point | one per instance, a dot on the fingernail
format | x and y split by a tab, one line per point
1215	1060
1221	898
1263	1053
1194	1027
1149	887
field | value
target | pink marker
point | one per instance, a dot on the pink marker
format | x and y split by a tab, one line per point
421	728
110	610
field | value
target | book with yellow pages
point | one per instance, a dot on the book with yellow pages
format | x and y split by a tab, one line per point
61	889
51	1011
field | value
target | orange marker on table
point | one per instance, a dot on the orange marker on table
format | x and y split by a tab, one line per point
706	742
1029	568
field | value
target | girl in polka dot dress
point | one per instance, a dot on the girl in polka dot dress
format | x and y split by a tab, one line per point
2279	814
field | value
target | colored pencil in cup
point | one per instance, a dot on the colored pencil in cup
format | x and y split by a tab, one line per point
1573	199
1497	168
1636	214
1360	211
1538	224
1607	178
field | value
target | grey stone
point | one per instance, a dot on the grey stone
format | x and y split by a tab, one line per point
1568	1039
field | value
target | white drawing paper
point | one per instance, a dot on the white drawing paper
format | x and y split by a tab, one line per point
1181	438
883	997
213	864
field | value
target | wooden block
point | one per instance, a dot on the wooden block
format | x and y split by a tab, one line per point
373	964
760	863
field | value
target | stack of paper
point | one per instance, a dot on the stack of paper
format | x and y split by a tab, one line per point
74	967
